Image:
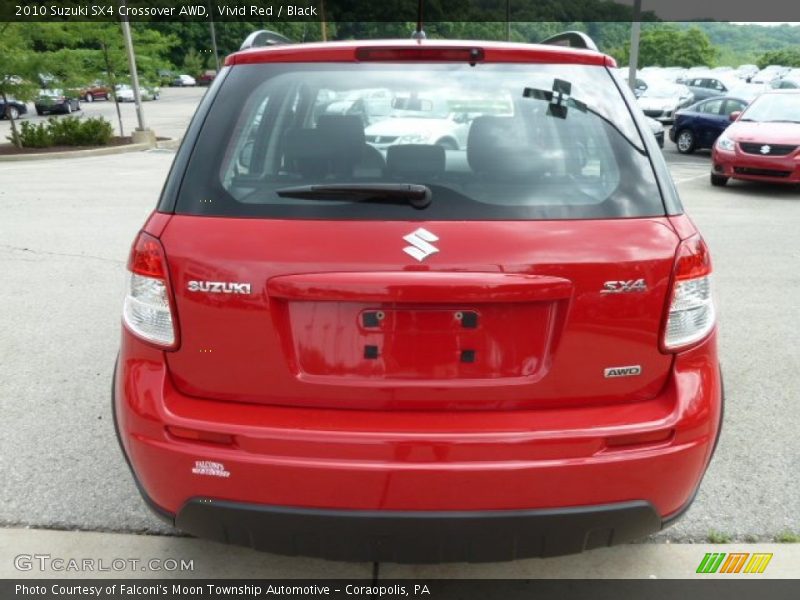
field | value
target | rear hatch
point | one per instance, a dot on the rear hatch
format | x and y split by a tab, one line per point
538	272
505	315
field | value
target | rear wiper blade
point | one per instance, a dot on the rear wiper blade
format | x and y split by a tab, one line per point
418	196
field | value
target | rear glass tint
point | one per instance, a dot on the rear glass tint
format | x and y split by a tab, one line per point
491	142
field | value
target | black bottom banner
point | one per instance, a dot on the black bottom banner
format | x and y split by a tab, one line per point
337	589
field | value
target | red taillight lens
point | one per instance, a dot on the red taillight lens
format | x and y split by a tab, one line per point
470	55
691	316
692	259
147	257
147	311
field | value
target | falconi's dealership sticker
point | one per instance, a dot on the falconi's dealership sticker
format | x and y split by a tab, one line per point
209	467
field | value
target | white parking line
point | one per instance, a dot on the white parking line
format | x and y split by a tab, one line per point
685	179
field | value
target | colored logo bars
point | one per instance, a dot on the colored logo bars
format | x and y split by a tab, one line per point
734	562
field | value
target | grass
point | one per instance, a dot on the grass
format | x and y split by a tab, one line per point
788	537
718	537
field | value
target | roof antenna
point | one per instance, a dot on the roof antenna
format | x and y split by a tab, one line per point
419	34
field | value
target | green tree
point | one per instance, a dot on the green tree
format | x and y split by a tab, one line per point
670	46
789	57
19	71
192	63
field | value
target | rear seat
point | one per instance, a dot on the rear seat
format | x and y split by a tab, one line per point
336	148
505	149
415	162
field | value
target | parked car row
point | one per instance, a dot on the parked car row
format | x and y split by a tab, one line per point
662	92
60	101
173	79
750	119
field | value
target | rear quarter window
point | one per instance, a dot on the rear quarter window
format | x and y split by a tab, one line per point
491	142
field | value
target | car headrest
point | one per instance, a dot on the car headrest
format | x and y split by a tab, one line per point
305	153
417	160
499	145
343	135
342	130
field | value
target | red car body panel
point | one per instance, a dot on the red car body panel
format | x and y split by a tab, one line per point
277	390
741	164
422	460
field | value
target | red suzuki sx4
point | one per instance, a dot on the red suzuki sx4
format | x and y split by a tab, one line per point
418	301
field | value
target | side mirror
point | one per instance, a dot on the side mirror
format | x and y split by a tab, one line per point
734	115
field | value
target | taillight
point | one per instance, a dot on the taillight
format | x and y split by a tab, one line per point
147	311
691	315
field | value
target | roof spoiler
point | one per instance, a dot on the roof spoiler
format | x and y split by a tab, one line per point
571	39
264	37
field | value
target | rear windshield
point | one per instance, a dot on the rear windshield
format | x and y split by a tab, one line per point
490	142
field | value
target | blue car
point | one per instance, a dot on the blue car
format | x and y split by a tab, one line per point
699	126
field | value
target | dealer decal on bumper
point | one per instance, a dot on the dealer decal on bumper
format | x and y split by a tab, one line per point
209	467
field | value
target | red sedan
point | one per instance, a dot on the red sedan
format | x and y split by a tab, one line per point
763	144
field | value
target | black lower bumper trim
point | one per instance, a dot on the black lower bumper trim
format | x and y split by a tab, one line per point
418	537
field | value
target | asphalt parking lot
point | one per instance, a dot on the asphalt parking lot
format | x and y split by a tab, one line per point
65	232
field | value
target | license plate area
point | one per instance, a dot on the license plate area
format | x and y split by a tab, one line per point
442	342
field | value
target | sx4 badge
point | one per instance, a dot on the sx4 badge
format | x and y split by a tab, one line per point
624	287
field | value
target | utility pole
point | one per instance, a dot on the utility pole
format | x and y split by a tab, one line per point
508	20
323	23
142	133
636	30
213	35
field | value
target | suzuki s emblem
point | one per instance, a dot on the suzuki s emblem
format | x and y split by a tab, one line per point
421	246
765	149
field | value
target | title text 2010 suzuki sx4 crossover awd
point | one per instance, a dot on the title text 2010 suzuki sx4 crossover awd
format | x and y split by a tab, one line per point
489	335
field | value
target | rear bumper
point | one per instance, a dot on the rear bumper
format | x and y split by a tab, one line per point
418	537
366	485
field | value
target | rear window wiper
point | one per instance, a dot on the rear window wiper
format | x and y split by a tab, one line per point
418	196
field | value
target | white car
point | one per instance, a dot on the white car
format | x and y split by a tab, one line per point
125	93
371	104
749	91
184	81
661	100
419	121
